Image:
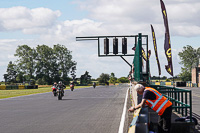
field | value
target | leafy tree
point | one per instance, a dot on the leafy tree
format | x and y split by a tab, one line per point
73	73
85	78
189	58
164	77
44	63
64	61
6	78
103	78
41	81
11	72
113	79
123	80
26	60
20	78
185	74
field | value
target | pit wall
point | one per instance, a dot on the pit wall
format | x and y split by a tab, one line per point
138	120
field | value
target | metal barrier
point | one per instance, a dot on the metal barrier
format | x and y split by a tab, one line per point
140	121
180	98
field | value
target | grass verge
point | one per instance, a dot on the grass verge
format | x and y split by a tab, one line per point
15	93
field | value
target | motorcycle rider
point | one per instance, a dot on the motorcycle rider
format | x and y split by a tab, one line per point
72	85
54	84
62	86
94	84
54	88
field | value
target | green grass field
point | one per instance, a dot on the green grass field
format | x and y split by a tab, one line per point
15	93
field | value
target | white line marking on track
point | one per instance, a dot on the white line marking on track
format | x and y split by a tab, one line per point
121	126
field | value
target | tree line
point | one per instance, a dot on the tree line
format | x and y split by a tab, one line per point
103	79
42	64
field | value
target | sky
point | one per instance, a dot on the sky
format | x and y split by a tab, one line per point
50	22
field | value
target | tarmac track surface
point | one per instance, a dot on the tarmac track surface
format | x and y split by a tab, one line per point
85	110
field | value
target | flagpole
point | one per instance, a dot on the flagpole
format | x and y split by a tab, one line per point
159	78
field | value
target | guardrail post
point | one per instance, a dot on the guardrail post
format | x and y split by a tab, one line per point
186	103
182	104
190	106
178	103
175	101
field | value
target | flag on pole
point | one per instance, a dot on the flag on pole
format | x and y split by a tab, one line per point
143	53
155	48
167	44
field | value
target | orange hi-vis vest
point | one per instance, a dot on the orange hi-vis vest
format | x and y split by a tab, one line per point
160	103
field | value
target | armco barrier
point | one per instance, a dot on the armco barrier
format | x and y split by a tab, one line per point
157	83
21	87
139	122
15	87
132	127
180	84
168	83
31	87
2	87
11	87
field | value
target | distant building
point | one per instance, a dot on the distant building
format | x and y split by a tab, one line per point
196	74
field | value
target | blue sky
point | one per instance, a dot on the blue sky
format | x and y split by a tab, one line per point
49	22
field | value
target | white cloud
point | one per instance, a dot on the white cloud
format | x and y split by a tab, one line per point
140	13
22	18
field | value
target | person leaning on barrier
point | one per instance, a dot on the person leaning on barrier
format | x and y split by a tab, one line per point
159	103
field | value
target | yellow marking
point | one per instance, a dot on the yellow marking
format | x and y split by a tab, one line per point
168	83
169	53
169	70
132	129
21	87
2	87
157	83
164	13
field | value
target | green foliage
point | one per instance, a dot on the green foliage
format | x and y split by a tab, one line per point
189	58
41	81
44	64
103	78
26	60
113	79
11	73
185	74
158	78
167	80
123	80
85	78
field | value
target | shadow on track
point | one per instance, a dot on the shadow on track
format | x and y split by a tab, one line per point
68	99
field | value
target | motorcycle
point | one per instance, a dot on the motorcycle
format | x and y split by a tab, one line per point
94	85
59	93
72	87
54	91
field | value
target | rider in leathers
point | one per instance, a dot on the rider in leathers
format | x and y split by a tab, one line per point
62	86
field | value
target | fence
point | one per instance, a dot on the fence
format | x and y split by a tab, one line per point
15	87
181	99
